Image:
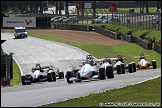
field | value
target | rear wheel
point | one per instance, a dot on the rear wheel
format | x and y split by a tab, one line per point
134	67
60	75
153	62
118	69
122	68
109	72
130	68
102	73
23	80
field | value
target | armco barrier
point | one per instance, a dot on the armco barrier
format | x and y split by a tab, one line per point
157	48
106	32
144	43
128	38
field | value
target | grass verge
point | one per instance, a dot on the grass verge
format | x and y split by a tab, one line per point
146	92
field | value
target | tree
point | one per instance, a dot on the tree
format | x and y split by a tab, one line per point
147	8
94	8
66	8
158	5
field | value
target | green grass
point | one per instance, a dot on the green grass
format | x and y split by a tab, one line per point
149	91
16	75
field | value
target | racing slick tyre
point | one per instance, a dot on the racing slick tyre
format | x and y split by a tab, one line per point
49	77
53	76
102	73
130	68
134	67
118	69
153	62
23	80
109	72
68	76
122	68
62	75
28	79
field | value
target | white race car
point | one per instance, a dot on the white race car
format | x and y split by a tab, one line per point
90	69
99	69
39	74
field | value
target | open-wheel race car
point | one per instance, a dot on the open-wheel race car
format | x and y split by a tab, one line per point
99	69
120	67
143	62
39	74
59	74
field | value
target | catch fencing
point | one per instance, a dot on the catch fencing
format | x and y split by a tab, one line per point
130	18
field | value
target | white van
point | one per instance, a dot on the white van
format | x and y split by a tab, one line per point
20	32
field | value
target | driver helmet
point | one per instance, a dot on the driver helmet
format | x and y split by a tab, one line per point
37	65
142	54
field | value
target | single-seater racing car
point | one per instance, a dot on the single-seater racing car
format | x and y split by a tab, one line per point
39	74
143	62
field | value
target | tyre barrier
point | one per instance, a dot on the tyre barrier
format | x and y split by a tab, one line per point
157	48
143	43
128	38
62	26
106	32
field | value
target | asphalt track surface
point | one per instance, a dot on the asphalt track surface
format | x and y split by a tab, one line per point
42	93
28	52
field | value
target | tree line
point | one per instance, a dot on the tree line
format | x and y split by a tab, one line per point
35	5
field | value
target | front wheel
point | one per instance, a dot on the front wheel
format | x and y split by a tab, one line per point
102	73
68	76
130	68
49	77
54	76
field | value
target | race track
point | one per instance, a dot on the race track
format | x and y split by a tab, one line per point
29	51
